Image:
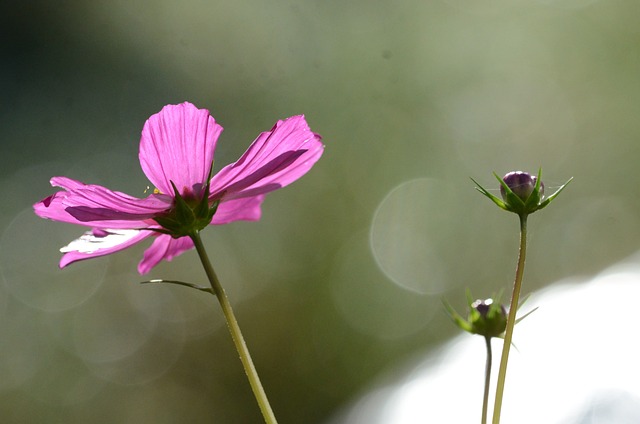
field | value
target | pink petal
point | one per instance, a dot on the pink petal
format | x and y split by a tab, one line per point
163	247
93	244
177	145
98	206
245	209
274	160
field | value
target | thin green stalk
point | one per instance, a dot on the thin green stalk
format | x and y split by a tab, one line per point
236	334
487	380
511	320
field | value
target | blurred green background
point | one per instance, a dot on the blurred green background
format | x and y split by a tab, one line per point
343	276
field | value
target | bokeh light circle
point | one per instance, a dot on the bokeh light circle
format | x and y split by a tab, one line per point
29	255
121	335
405	232
369	302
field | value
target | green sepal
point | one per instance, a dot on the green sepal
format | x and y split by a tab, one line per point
203	209
554	195
493	324
183	211
491	197
187	216
526	315
521	303
212	210
456	318
513	203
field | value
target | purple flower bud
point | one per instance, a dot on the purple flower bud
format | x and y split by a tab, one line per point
489	319
522	184
520	194
482	306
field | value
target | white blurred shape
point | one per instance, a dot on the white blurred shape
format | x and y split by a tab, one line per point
576	363
88	242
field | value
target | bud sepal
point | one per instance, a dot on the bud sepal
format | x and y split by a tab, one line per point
486	317
522	193
190	213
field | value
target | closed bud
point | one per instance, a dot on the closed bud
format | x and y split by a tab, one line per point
522	184
522	193
487	318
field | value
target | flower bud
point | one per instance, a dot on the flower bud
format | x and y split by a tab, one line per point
487	318
522	184
522	193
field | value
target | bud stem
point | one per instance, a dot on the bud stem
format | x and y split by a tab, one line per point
487	380
236	334
511	319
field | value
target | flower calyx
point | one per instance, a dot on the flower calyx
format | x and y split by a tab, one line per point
190	213
486	317
522	193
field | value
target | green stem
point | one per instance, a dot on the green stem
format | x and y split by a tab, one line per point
487	380
236	334
511	320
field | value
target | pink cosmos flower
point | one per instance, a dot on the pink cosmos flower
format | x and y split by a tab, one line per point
176	154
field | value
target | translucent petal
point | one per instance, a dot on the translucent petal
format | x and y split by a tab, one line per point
274	160
163	247
178	145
